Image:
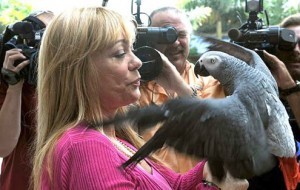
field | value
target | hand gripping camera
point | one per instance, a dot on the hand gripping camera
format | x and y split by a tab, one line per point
146	39
25	35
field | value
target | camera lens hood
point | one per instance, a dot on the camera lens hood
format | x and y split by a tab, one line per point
152	62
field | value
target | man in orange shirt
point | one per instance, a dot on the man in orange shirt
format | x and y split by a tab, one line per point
203	87
177	53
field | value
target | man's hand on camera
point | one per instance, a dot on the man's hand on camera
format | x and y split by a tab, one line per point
279	71
9	66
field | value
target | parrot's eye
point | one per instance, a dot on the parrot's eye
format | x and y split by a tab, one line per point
213	60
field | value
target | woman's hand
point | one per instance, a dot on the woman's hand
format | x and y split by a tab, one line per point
229	183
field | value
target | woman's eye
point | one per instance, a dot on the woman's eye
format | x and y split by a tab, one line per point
120	55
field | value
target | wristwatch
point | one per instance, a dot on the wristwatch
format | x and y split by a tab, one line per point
286	92
195	89
10	77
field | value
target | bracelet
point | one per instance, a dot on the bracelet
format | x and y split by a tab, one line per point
195	89
195	93
289	91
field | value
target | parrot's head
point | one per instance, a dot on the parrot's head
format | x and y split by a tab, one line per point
214	63
216	45
208	63
227	69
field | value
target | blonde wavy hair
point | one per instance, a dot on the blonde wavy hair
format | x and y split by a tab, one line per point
68	85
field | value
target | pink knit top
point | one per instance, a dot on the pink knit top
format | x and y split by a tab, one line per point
86	159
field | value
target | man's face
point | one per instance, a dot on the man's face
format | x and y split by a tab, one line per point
177	52
292	58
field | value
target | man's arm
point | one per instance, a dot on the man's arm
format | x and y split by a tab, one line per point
284	81
10	113
10	119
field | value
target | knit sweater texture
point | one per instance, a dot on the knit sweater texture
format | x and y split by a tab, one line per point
84	158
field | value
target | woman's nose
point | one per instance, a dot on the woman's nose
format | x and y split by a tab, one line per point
136	63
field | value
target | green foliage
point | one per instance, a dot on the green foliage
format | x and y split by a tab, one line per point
12	11
227	12
205	22
196	18
279	9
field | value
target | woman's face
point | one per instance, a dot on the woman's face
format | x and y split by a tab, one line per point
118	73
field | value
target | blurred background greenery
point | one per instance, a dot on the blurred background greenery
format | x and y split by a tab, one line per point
216	17
208	17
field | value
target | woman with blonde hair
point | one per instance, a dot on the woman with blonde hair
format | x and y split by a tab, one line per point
87	73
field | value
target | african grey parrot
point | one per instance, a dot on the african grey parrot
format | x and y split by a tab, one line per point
240	133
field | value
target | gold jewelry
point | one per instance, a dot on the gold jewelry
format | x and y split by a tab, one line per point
129	153
123	147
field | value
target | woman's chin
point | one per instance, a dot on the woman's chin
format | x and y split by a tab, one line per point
135	96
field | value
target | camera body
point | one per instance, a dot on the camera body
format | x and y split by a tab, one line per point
150	36
254	34
25	35
146	39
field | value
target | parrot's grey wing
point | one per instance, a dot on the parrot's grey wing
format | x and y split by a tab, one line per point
213	44
143	118
280	135
221	130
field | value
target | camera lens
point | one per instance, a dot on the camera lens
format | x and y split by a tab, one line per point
151	63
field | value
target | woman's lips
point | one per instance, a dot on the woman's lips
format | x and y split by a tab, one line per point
137	82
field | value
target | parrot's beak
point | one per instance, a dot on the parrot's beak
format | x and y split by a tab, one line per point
200	69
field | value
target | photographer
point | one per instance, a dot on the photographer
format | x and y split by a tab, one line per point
285	67
17	114
282	41
177	53
291	60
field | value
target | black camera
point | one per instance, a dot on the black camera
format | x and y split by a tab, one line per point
152	62
25	35
150	36
254	34
146	39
